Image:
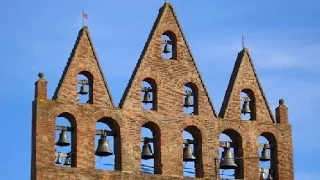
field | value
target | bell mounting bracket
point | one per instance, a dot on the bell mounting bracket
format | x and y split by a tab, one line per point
167	42
83	82
226	144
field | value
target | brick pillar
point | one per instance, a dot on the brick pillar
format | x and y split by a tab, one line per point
41	88
282	112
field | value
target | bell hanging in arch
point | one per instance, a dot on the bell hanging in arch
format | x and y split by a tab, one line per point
83	90
58	161
262	176
265	156
245	108
166	48
188	101
63	139
146	152
146	97
103	147
227	160
187	153
67	161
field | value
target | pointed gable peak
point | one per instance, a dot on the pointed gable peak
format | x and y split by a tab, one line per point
244	79
83	60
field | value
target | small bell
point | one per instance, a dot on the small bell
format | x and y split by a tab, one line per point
262	176
103	147
83	90
63	139
166	48
58	161
187	154
227	160
265	156
67	161
146	96
146	152
245	108
188	99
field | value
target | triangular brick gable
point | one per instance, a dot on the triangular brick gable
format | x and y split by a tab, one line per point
170	75
244	76
83	58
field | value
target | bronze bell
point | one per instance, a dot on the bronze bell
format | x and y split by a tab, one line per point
166	48
63	139
83	90
265	156
67	161
227	160
103	147
245	108
58	161
146	152
187	153
188	99
262	176
146	97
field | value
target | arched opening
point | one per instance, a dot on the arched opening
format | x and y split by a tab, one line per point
190	99
230	155
65	145
192	152
149	94
267	156
247	105
150	149
107	144
169	45
84	87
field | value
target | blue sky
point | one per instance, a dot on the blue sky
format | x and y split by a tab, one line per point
283	38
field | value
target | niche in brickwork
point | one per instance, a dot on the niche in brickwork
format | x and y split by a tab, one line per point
149	94
65	140
84	87
230	162
107	145
190	99
169	45
247	105
192	152
150	149
267	156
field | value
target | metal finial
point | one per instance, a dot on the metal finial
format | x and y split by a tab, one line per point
242	39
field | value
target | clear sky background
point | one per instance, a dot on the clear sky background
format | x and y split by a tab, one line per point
283	38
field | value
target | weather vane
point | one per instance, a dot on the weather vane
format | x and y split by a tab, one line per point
84	16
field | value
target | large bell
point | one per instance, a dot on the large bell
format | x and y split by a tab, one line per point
187	154
166	48
58	161
146	152
265	156
83	90
227	160
67	161
63	139
146	98
245	108
188	101
103	147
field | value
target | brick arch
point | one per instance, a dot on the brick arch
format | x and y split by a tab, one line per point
156	134
252	96
274	151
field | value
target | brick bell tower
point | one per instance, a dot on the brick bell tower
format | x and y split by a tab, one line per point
165	126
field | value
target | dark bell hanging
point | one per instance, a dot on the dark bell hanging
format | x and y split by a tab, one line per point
188	101
83	90
58	161
63	139
262	176
166	48
146	152
67	161
227	160
103	147
265	156
245	108
146	97
188	154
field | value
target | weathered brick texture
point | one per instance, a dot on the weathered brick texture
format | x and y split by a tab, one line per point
170	76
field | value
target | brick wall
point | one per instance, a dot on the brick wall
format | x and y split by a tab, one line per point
170	76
